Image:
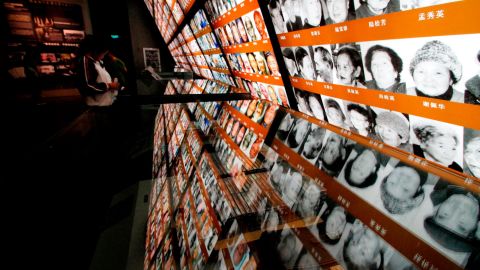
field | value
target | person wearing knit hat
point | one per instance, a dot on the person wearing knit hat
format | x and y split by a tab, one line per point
435	69
401	191
393	129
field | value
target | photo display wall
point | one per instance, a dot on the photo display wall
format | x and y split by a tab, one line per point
360	72
377	169
243	35
314	194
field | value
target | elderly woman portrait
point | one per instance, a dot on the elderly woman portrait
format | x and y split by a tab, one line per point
279	175
312	13
362	119
253	62
305	64
335	114
250	28
362	170
349	67
471	157
259	112
259	24
435	70
363	249
298	133
313	143
334	221
269	115
292	189
272	64
369	8
455	218
323	65
242	30
235	32
401	191
310	202
302	101
288	248
393	128
385	66
261	63
338	11
437	144
333	154
292	13
271	220
472	87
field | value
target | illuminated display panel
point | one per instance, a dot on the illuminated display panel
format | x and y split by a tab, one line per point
241	30
384	69
210	48
397	190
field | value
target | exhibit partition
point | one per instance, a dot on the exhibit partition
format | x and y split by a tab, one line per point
355	144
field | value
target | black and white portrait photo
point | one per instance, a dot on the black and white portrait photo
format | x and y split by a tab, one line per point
471	152
334	153
313	143
450	222
298	134
438	142
285	127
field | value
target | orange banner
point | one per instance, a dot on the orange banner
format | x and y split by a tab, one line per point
212	51
221	70
203	31
448	19
275	80
254	46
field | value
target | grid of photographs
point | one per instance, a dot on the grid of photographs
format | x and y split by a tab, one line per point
419	201
246	43
381	152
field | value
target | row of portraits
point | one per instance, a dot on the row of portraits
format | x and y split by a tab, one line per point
247	28
248	141
444	215
216	8
263	63
433	67
273	93
207	41
448	145
294	15
199	21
